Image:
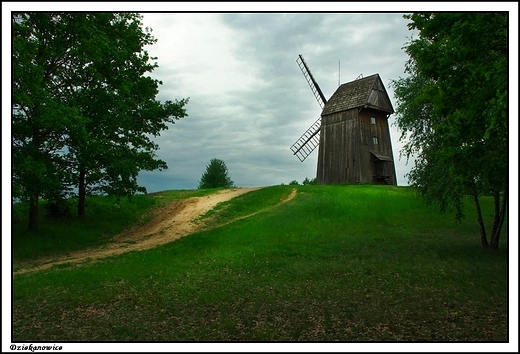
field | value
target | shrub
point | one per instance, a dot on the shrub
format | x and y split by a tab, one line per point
307	181
216	176
57	208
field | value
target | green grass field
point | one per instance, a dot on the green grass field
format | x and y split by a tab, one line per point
336	263
105	218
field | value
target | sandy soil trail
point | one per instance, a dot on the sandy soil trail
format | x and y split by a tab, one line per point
168	224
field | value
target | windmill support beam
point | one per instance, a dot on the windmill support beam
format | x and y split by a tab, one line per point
320	97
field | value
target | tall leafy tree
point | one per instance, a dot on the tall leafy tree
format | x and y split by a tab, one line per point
216	176
452	111
42	115
84	110
121	107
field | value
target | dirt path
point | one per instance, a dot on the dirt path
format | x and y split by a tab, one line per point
170	223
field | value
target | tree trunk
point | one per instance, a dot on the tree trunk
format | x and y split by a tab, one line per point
483	237
500	213
33	213
35	193
82	191
496	218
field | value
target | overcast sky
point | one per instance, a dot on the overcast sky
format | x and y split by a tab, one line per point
248	98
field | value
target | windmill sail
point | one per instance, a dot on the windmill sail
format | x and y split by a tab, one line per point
309	140
320	97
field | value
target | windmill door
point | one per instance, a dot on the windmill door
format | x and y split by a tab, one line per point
378	168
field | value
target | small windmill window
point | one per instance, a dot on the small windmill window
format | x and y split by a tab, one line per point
372	120
375	141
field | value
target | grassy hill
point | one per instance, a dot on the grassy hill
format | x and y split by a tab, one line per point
336	263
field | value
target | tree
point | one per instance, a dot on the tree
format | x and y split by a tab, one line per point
452	111
41	113
117	143
84	112
216	176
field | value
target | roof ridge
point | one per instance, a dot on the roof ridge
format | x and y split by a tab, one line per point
359	93
363	78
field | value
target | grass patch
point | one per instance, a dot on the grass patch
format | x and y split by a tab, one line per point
338	263
245	205
105	218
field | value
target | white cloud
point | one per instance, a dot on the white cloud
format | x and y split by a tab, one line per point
196	52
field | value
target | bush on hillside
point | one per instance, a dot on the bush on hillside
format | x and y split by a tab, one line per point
307	182
216	176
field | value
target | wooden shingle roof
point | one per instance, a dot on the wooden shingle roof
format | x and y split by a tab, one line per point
368	92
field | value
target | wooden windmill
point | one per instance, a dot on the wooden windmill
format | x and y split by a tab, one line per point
352	133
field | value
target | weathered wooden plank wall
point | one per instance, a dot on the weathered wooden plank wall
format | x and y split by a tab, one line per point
381	131
346	142
338	151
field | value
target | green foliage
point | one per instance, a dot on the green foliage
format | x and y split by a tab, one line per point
305	182
452	110
337	263
216	176
84	106
58	207
308	182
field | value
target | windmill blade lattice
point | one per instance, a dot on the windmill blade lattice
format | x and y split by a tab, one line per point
309	140
320	97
